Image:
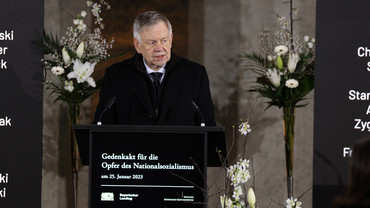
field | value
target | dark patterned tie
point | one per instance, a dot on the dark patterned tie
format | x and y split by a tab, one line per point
156	77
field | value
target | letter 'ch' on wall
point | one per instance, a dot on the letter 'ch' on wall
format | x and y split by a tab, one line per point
21	22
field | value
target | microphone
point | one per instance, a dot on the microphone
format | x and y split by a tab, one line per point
197	109
109	105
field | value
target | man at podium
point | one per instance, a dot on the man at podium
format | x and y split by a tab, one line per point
155	86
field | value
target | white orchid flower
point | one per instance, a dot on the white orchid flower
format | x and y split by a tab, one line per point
237	192
293	203
251	198
245	128
82	72
95	9
68	85
274	76
57	70
66	57
290	203
281	50
76	21
298	204
82	27
83	14
292	62
80	50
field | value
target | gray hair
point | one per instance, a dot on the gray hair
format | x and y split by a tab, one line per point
147	19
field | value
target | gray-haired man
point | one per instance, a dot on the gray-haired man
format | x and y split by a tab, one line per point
155	87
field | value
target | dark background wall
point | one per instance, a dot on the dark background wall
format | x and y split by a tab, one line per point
20	104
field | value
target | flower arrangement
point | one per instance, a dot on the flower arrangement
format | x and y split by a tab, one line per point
293	203
285	72
285	68
238	175
72	60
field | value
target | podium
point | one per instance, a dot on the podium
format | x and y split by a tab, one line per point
149	166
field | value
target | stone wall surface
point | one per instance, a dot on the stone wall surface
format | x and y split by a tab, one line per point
56	172
266	143
218	32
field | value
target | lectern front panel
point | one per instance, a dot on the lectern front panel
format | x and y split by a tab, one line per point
147	169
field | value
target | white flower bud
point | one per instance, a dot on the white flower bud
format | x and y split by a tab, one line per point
222	201
251	198
269	57
306	38
80	50
310	45
66	57
292	62
226	202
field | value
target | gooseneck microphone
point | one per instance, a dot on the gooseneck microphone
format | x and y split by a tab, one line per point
107	106
197	109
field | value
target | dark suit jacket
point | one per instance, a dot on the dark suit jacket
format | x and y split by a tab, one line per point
184	82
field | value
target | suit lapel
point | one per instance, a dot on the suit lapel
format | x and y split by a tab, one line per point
136	80
173	84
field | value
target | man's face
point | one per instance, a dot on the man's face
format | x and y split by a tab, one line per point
155	45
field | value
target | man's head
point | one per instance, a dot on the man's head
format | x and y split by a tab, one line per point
153	38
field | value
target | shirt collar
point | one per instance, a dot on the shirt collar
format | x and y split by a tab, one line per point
149	70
